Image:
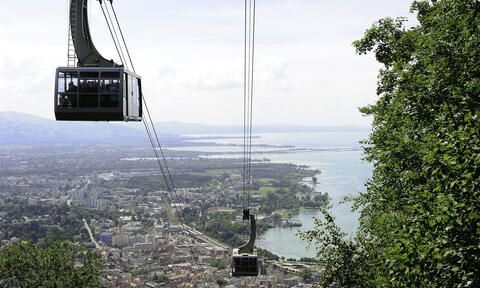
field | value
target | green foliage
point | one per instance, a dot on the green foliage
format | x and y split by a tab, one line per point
160	278
60	264
216	263
286	198
59	222
306	274
308	259
263	269
150	183
221	282
139	271
265	254
341	260
420	219
225	228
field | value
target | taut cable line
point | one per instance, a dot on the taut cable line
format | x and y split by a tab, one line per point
159	153
248	91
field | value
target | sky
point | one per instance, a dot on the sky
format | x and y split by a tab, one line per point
189	54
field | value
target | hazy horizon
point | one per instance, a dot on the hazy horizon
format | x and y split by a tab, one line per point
233	125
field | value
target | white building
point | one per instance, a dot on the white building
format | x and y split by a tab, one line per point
120	240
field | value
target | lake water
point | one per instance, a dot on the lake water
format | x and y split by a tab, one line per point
320	140
343	173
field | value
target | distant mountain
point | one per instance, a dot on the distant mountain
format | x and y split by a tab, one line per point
19	128
24	129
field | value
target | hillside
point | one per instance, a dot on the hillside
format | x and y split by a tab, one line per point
23	129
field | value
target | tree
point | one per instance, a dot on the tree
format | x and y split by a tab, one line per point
263	269
160	278
266	254
60	264
420	219
342	261
221	282
217	264
306	274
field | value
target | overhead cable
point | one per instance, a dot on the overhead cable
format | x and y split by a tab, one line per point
123	38
159	155
116	36
111	34
248	69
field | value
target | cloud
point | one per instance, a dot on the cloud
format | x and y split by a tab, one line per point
190	56
213	80
166	72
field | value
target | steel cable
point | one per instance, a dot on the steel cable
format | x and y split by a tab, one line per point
110	29
123	38
116	36
156	145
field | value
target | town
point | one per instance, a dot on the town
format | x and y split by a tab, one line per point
113	199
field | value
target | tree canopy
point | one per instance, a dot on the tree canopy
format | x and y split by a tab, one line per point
59	264
420	214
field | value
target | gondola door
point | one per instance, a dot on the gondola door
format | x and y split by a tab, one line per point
133	97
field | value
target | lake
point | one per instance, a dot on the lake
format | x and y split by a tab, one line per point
343	173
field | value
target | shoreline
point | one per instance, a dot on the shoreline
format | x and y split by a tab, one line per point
268	240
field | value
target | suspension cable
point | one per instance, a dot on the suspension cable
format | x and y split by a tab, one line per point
249	67
245	110
155	140
159	153
116	36
251	104
249	44
111	34
171	186
172	191
123	38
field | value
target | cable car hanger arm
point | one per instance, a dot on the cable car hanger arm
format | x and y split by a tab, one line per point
248	247
87	54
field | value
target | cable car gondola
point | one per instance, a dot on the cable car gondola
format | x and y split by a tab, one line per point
96	89
97	94
244	259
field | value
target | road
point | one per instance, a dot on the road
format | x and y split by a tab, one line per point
91	236
205	238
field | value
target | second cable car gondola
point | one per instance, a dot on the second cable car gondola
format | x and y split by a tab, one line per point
245	261
96	89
